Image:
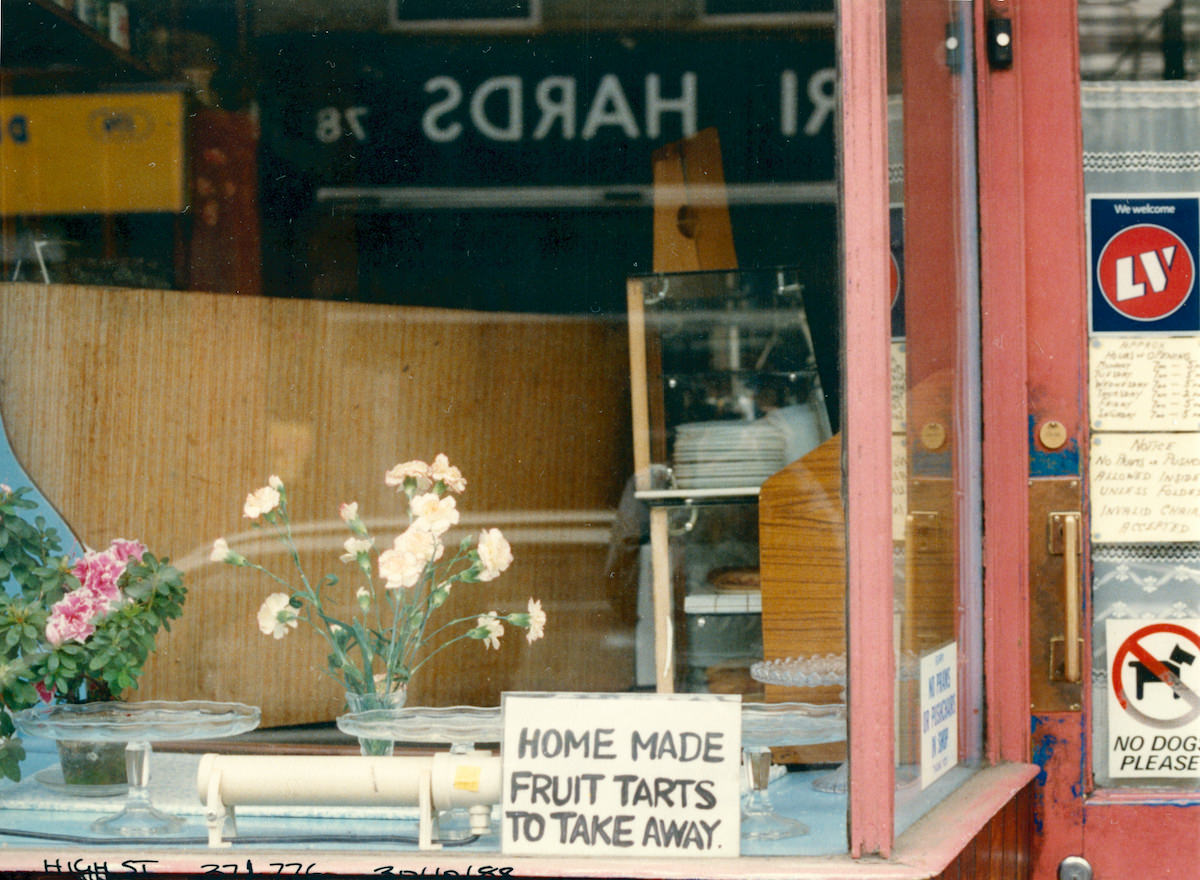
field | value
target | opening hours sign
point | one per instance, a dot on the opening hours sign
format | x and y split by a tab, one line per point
1153	698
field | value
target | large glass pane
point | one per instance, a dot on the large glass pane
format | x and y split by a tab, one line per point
263	256
1141	119
937	432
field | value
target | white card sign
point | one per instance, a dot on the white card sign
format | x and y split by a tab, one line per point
621	774
1145	487
939	712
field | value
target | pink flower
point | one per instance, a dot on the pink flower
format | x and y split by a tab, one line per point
123	550
71	617
98	574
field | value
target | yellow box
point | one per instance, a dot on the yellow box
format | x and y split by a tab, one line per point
92	154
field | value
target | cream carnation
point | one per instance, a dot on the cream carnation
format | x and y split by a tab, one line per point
434	513
441	471
537	621
495	554
403	564
409	470
261	501
276	615
355	547
490	630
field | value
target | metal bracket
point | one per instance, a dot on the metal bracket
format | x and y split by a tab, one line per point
1056	530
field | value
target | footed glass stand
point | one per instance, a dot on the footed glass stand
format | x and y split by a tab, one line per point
815	671
459	727
138	724
778	724
822	671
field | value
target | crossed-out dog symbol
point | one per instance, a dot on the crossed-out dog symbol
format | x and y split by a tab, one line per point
1179	658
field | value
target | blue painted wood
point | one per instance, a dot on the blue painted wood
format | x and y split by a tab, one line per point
12	474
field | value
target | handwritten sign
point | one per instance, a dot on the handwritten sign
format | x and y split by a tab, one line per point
607	774
1145	487
899	387
939	712
1145	383
899	486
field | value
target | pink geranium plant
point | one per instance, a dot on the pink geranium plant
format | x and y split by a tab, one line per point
73	629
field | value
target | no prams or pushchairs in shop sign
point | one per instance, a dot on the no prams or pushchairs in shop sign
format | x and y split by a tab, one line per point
1142	264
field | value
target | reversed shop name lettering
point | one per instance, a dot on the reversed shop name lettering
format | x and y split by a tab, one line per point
513	108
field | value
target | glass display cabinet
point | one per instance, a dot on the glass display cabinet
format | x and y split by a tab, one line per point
726	392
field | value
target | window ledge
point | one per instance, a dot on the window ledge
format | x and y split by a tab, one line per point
923	851
936	839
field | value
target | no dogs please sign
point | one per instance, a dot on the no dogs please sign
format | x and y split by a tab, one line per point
1153	698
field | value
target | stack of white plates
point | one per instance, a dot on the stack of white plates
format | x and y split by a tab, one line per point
727	454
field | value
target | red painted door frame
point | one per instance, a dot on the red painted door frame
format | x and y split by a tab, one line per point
1035	333
1031	193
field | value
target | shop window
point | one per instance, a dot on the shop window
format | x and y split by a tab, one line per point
592	264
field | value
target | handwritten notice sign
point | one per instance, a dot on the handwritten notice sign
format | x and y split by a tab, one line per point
1145	383
899	486
939	712
629	774
1145	487
1153	698
899	387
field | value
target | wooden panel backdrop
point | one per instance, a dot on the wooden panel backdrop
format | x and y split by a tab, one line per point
151	415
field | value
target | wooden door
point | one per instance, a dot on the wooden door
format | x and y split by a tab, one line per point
1037	254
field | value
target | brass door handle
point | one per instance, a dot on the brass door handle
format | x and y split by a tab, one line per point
1069	524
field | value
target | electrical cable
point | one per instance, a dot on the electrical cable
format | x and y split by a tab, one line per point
254	840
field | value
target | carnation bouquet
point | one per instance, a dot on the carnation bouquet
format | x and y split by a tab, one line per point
391	631
73	629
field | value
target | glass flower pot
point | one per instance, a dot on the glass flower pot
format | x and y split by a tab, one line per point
99	764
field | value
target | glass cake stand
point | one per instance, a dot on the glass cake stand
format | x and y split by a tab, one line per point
138	724
825	670
459	727
822	670
779	724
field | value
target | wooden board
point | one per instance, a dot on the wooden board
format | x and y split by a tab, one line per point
692	229
151	415
802	557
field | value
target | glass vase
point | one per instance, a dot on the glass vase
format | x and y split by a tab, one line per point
357	702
